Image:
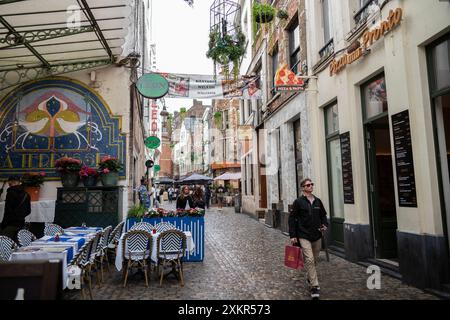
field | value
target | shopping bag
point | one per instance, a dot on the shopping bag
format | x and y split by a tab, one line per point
293	257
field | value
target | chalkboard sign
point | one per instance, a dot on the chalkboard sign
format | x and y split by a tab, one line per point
347	172
406	182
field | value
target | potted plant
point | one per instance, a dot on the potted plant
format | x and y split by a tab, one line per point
136	213
68	168
109	168
225	49
263	12
88	176
218	119
32	184
282	14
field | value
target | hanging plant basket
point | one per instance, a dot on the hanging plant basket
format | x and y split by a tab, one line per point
263	13
218	118
226	49
282	14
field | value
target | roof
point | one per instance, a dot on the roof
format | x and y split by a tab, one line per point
39	38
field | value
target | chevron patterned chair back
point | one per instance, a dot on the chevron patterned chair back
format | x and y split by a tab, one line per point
115	235
51	229
96	246
80	266
171	246
105	237
137	246
143	226
25	237
7	247
165	226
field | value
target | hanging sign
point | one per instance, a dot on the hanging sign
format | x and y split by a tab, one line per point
286	80
149	163
152	142
152	86
210	87
157	168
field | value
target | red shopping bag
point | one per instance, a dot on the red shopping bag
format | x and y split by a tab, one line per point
293	257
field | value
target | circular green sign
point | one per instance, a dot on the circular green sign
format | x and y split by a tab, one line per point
152	142
157	167
152	86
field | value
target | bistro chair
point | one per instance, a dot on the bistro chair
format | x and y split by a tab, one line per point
25	237
143	226
51	229
114	238
165	226
103	250
171	246
7	247
95	252
137	246
80	265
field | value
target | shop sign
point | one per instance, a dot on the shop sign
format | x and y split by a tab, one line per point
157	168
154	118
286	80
152	142
368	38
152	86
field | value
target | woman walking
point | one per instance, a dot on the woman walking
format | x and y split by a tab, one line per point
199	201
184	199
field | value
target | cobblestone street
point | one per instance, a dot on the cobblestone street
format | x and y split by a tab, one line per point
244	260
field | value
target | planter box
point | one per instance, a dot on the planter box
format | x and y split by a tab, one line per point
194	224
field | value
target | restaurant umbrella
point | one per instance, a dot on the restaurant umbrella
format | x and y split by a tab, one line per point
196	178
229	176
164	180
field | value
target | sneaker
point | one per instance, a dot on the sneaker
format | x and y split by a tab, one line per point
315	294
309	284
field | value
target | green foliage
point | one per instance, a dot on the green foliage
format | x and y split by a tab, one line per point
218	118
263	12
136	211
223	50
183	113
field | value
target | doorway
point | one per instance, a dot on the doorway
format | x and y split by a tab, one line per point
380	172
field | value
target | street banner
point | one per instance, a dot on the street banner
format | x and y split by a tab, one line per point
286	80
210	87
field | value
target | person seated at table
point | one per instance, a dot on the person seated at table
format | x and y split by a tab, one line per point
17	207
199	201
185	198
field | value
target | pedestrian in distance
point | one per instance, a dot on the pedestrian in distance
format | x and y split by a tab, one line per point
171	192
307	222
17	207
144	196
220	196
197	197
207	196
185	198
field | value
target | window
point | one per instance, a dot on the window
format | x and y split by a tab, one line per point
440	64
226	120
336	188
375	97
326	16
294	47
274	68
280	175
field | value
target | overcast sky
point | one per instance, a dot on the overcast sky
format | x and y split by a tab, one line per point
181	34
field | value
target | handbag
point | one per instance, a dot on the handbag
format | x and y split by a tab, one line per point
293	257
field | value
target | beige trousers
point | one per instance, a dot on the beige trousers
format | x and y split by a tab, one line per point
311	252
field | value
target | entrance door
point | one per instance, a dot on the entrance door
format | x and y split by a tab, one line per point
381	188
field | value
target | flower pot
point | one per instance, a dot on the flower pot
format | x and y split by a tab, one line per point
264	18
33	192
89	181
70	179
110	179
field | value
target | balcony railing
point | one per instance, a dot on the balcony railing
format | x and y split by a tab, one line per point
366	11
327	50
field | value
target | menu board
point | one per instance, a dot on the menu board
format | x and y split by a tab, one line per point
406	182
347	173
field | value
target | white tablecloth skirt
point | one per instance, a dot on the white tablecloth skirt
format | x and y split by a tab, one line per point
190	246
42	255
41	211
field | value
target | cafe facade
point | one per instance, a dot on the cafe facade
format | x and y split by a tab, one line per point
381	138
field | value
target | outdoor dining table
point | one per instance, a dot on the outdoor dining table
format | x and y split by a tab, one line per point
82	230
45	253
75	241
190	247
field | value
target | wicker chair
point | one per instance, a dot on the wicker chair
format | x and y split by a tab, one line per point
25	237
143	226
7	247
115	236
80	267
137	246
103	250
52	229
164	226
95	251
171	246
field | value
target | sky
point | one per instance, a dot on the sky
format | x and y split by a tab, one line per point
181	35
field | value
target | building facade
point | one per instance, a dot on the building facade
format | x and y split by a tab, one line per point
380	131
